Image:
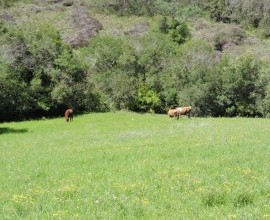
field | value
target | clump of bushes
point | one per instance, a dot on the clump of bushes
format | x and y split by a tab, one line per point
178	31
43	70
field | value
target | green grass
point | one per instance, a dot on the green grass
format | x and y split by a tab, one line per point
135	166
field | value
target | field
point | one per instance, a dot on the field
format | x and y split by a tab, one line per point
135	166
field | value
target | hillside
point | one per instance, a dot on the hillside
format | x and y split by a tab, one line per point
71	19
112	55
78	22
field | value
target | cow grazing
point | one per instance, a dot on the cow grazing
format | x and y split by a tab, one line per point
186	110
173	113
69	115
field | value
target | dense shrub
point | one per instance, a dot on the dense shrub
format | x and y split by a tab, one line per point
148	100
243	86
43	67
248	12
178	31
219	10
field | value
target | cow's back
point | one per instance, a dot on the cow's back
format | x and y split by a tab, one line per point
184	110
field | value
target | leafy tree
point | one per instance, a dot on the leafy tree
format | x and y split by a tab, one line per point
46	68
147	99
164	26
188	81
179	32
243	87
105	51
15	101
113	76
219	10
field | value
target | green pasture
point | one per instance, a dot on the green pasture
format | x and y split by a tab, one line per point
135	166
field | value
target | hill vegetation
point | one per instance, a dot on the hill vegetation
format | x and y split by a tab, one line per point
144	56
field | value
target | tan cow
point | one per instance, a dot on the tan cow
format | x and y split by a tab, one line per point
186	110
173	113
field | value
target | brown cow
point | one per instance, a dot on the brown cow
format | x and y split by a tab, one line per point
69	115
186	110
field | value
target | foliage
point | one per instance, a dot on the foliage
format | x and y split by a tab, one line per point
147	99
219	10
128	7
152	71
7	3
243	87
182	8
192	78
179	32
265	24
129	76
248	12
43	65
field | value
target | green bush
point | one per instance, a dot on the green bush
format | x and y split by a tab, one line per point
147	99
44	65
243	86
219	10
179	32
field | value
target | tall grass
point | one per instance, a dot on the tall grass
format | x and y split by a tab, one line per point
127	166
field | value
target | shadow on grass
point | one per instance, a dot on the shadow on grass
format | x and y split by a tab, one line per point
6	130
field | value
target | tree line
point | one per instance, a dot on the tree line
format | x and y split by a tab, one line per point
40	75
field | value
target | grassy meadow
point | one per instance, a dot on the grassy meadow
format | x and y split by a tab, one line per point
135	166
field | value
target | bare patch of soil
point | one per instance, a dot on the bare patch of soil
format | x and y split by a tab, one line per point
84	27
139	29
